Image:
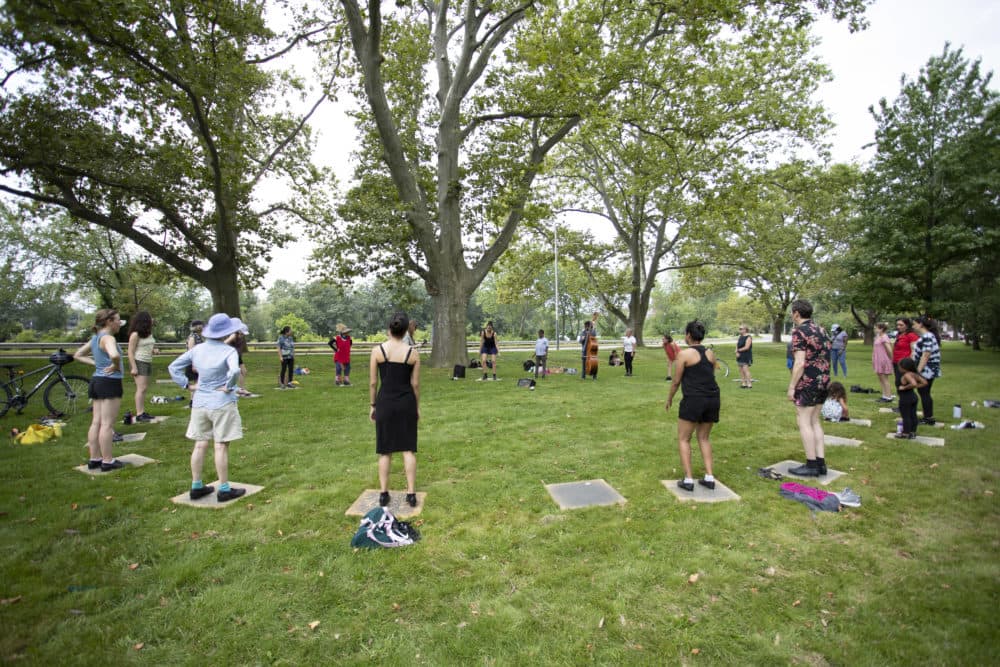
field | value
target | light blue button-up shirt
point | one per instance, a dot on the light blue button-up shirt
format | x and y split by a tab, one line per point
218	369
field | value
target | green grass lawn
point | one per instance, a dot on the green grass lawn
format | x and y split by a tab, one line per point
107	571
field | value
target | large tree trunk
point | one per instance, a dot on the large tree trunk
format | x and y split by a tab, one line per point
448	337
777	326
223	286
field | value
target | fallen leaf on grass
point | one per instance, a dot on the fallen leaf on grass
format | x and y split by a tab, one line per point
74	506
600	623
109	497
314	625
933	465
693	579
797	603
13	600
945	586
280	533
461	625
987	493
138	647
133	566
695	651
395	606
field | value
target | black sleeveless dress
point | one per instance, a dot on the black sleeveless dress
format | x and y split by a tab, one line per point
395	407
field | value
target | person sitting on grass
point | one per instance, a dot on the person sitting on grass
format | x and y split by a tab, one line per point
214	415
835	406
694	371
614	359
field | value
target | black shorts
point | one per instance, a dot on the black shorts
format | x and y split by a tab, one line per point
811	395
700	409
101	388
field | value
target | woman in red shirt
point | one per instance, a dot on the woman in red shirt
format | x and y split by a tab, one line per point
903	347
671	349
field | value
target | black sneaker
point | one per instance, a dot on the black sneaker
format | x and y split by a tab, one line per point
383	499
821	468
347	383
117	437
145	417
232	494
687	486
805	471
93	465
195	494
411	499
707	484
114	465
930	421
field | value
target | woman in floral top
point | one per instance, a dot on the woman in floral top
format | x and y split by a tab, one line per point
807	388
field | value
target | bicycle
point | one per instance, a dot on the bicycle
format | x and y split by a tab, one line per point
720	365
65	395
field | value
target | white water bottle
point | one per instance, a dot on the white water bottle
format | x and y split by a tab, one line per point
956	412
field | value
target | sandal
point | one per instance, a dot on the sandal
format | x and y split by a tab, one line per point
768	473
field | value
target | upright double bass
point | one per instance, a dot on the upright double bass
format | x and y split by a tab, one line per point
590	368
592	361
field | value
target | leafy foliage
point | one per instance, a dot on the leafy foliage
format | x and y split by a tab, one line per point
775	234
930	223
157	121
464	103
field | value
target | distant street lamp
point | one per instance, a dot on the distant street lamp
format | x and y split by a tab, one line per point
555	252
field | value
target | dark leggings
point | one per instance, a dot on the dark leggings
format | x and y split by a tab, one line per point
926	402
628	362
908	410
286	363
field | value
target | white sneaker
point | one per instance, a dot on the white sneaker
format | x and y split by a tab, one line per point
849	498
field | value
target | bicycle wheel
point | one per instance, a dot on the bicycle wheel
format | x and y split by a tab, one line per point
67	395
7	400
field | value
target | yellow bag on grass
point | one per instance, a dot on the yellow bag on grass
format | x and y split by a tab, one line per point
36	434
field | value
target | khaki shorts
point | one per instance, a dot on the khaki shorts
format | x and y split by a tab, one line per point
220	425
144	368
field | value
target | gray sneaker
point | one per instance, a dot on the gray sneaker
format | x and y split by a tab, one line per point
848	498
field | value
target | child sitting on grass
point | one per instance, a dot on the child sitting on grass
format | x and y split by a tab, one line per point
835	407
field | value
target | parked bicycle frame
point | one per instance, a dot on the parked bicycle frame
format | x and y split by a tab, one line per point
65	395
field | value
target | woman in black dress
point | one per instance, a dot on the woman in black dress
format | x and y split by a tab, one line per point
395	407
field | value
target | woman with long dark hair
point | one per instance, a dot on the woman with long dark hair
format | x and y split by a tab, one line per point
140	359
395	406
927	354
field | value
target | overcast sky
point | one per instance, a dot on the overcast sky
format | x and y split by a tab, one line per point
902	36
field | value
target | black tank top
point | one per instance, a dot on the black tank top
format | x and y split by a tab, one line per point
699	380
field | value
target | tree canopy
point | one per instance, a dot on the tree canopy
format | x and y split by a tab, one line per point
463	102
929	230
159	121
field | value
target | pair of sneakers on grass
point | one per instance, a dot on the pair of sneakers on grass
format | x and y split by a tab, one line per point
225	494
